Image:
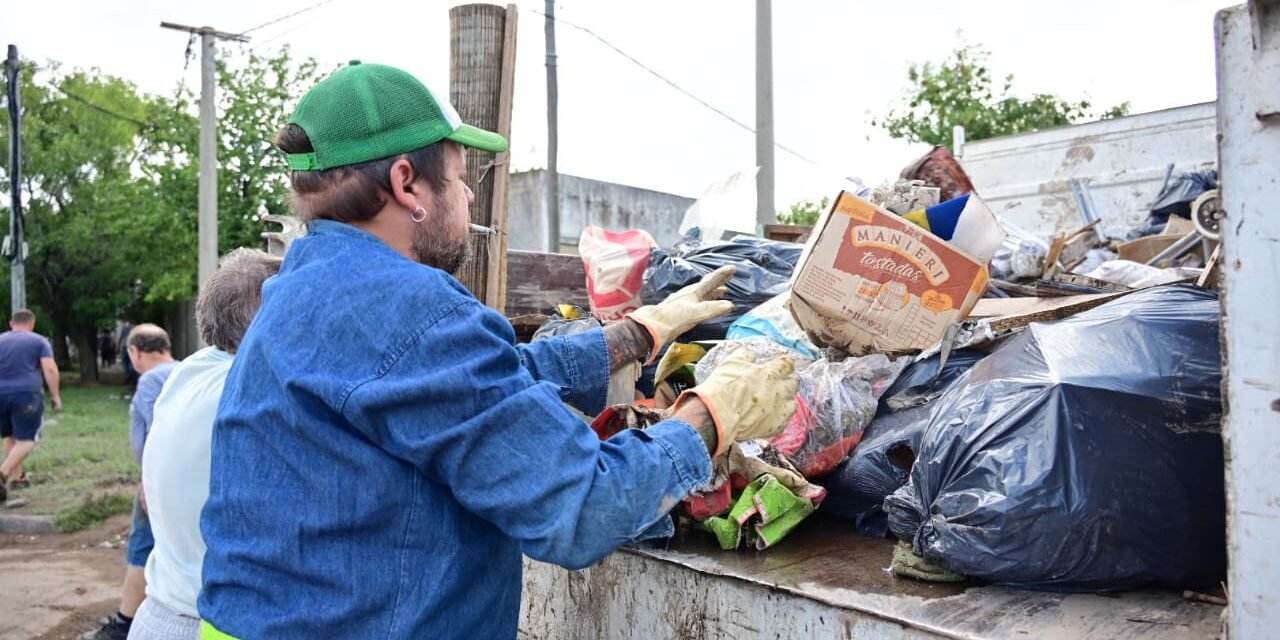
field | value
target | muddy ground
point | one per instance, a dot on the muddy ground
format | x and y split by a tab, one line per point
59	586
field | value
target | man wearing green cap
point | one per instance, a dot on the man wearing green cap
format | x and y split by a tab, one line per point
384	452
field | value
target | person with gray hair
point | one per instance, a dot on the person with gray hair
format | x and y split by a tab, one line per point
175	469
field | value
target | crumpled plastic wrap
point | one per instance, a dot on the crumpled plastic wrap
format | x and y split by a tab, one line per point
836	401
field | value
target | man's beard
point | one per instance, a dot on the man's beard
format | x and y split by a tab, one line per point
435	246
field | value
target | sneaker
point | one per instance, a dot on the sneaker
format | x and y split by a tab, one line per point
113	629
4	488
20	483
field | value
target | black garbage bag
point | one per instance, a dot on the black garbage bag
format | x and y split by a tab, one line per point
764	271
1081	455
882	460
1177	196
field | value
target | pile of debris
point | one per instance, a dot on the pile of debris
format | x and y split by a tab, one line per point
1034	412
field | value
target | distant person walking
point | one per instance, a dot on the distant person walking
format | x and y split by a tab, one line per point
149	351
130	373
25	358
106	348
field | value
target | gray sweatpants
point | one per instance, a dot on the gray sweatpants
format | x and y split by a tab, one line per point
154	621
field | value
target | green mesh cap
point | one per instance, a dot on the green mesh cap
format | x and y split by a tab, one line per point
366	112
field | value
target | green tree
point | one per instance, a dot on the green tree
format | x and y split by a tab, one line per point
962	91
805	212
256	94
85	211
110	185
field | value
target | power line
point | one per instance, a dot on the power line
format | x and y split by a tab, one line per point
261	43
287	16
672	84
101	109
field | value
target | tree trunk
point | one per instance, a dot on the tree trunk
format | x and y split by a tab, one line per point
87	345
61	355
478	35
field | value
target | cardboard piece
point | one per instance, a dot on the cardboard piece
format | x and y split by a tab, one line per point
871	282
1144	249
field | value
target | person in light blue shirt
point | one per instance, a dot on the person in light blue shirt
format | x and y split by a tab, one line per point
149	350
383	451
175	464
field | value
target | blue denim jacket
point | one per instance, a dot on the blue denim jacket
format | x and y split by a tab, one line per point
384	452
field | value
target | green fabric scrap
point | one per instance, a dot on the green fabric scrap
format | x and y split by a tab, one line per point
779	511
908	564
763	515
745	506
726	531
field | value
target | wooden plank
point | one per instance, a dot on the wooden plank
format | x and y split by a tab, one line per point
1014	289
1011	313
1076	249
537	282
476	37
496	286
1209	279
1051	260
798	233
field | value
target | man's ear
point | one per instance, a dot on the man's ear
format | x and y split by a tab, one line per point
404	191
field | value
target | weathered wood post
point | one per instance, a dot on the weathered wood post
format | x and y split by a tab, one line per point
481	76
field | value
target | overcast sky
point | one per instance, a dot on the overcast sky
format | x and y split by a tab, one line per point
836	64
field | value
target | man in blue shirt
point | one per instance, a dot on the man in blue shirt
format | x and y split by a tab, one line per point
149	350
384	452
25	357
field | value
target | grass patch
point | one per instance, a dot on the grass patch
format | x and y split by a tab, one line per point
83	454
93	511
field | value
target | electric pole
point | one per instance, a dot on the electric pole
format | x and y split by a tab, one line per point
15	244
765	213
553	142
207	245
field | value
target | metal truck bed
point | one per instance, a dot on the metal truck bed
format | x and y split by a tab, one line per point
823	581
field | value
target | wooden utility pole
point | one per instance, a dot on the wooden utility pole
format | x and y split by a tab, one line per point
553	134
207	244
15	243
765	212
481	80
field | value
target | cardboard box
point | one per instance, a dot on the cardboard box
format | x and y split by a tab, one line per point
870	281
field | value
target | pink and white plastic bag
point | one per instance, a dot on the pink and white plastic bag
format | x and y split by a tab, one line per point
615	262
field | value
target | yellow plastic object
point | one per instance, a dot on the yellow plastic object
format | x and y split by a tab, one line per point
919	218
677	356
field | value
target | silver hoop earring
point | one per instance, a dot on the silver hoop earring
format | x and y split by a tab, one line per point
414	216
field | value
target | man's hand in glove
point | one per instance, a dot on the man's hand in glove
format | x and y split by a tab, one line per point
746	400
685	309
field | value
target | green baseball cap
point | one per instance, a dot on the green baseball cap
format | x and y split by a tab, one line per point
366	112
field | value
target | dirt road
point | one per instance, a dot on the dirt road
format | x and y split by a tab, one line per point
57	586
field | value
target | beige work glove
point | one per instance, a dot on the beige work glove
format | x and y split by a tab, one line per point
685	309
747	400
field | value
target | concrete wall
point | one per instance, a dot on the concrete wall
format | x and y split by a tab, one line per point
1024	177
584	201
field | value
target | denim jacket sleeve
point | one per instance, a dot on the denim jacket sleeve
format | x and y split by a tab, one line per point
458	403
578	365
